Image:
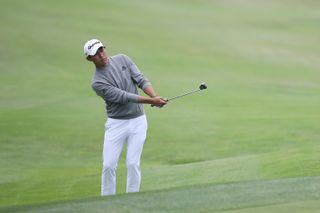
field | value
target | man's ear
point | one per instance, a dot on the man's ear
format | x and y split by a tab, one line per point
89	58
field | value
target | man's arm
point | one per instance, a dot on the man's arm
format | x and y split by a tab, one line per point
148	90
158	101
113	94
155	101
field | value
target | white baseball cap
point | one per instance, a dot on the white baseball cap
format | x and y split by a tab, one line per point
90	47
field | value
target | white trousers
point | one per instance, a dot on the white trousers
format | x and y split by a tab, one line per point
117	132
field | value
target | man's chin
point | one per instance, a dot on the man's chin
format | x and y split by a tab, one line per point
104	63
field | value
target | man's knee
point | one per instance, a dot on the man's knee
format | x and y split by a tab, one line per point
109	168
133	167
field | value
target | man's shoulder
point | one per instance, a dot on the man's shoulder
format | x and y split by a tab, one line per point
120	57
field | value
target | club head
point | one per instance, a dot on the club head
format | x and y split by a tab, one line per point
203	86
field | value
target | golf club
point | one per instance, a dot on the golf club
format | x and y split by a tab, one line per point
201	87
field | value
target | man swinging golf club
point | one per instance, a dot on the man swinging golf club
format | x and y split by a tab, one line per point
116	79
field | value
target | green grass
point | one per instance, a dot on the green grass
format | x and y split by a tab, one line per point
244	196
258	120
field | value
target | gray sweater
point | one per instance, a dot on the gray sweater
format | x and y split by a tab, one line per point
117	84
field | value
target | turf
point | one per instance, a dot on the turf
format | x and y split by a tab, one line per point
258	120
266	195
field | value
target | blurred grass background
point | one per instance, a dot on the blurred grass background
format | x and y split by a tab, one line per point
259	118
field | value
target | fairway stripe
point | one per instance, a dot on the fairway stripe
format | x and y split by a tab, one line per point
203	198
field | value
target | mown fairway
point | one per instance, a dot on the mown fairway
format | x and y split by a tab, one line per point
250	143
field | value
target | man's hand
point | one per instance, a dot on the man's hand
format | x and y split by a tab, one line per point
154	101
158	101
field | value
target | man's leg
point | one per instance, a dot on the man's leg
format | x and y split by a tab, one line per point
138	132
115	135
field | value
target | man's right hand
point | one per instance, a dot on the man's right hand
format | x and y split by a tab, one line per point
154	101
158	101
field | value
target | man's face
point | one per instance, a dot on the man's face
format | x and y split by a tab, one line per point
100	59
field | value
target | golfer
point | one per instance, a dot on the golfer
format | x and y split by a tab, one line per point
116	79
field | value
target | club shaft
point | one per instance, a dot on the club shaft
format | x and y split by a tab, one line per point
179	96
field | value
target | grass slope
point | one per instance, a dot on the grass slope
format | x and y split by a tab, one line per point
258	120
258	196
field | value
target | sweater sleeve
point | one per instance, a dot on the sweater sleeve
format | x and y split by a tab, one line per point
136	75
112	94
